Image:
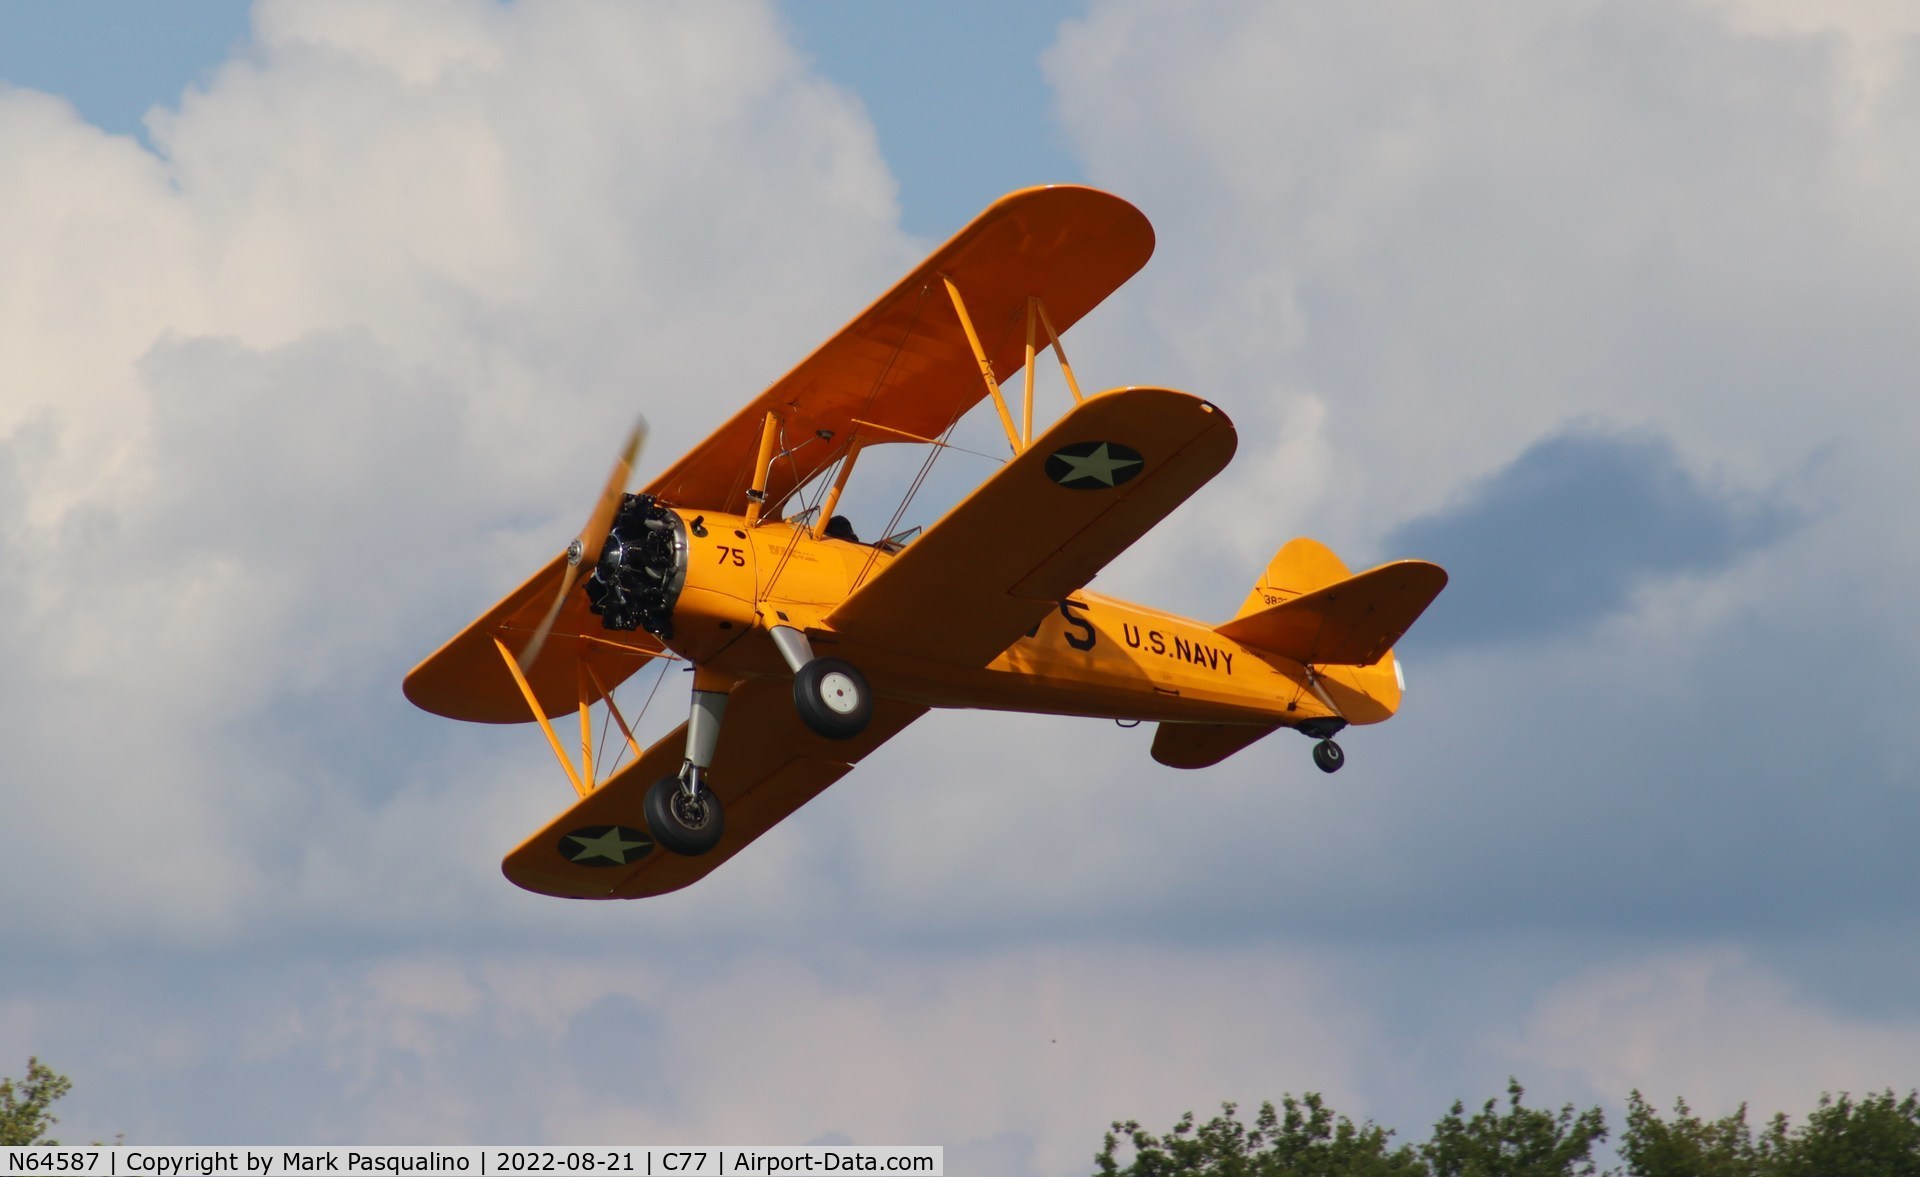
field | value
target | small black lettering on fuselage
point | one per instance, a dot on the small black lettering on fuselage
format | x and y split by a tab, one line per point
1178	647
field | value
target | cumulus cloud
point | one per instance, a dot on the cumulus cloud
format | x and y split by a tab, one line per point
1715	1027
1459	231
1559	538
291	396
1021	1055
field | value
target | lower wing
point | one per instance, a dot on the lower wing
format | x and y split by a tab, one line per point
768	765
1041	527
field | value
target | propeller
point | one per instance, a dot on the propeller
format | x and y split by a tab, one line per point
586	549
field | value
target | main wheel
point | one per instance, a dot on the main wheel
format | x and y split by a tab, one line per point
832	698
1328	756
685	825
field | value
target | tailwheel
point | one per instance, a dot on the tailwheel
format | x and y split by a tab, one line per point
685	820
1328	756
832	698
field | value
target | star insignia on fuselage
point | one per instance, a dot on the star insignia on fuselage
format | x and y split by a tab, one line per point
1094	465
605	846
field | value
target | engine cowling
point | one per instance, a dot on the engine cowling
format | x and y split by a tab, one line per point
642	568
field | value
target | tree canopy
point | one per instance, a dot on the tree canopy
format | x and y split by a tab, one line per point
1875	1136
24	1118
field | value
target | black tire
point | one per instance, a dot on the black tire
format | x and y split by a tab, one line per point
689	826
832	698
1328	756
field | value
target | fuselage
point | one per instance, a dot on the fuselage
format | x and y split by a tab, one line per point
1087	654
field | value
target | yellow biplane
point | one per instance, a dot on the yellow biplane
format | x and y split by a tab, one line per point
810	648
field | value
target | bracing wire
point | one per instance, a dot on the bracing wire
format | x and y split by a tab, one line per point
620	753
906	500
820	483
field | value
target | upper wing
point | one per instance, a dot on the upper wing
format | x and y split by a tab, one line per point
1352	622
768	764
466	679
1041	526
904	363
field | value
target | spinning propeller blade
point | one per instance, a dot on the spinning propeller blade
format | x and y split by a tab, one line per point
586	549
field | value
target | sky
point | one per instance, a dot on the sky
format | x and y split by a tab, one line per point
320	324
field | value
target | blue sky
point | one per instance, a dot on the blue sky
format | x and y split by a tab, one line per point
956	98
1603	306
116	58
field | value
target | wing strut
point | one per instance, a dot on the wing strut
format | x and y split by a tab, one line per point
986	365
762	468
825	514
1022	436
533	704
1059	352
614	710
582	778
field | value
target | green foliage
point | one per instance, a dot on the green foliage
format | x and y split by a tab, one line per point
1878	1136
1308	1140
1520	1142
1687	1146
24	1118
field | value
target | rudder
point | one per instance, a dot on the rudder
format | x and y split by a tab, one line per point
1342	627
1301	566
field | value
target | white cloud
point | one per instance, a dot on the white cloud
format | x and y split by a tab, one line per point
293	397
285	403
1483	224
1027	1053
1714	1027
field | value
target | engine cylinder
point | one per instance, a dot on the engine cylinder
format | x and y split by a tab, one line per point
642	568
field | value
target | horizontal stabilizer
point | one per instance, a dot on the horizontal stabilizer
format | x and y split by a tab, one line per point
1352	622
1203	745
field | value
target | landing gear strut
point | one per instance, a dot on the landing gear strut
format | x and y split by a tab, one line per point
1327	756
831	695
683	813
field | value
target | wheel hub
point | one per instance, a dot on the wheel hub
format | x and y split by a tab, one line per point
692	811
839	692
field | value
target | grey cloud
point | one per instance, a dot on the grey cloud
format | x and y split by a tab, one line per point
1540	807
617	1027
1561	537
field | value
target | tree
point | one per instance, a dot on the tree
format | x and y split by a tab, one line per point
1521	1142
1687	1146
1308	1140
24	1118
1876	1137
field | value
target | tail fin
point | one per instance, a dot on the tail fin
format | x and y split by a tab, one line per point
1301	567
1352	621
1307	608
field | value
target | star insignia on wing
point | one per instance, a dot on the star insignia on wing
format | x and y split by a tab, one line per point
1094	465
605	846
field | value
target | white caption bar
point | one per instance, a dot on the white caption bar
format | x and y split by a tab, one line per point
707	1160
